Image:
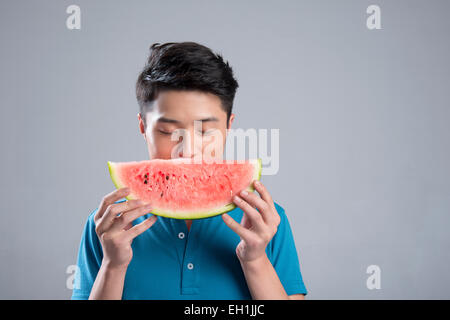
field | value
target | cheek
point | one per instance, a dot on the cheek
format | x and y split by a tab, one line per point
217	140
160	146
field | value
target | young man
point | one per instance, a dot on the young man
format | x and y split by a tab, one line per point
127	253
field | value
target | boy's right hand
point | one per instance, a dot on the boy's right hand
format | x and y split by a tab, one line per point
116	232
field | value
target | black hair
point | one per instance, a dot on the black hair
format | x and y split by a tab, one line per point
185	66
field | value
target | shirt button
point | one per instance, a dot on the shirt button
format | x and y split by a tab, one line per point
181	235
190	266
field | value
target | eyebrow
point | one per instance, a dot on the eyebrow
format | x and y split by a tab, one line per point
167	120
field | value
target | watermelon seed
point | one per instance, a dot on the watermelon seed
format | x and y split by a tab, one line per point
145	181
167	177
145	176
162	194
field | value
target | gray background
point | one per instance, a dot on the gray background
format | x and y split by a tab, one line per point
363	117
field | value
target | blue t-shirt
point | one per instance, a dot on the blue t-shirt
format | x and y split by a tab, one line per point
171	262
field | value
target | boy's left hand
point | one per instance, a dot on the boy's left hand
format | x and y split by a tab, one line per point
256	228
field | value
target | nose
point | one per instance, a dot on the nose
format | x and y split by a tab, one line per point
185	153
190	149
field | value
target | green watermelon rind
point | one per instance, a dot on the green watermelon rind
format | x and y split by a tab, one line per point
199	215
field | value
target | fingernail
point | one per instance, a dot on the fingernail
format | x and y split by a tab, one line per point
244	193
257	183
237	199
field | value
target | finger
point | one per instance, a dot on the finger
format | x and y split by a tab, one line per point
265	195
262	190
127	217
140	227
254	216
128	226
244	233
255	201
110	199
114	210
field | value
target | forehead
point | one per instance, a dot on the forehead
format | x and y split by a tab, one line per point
188	105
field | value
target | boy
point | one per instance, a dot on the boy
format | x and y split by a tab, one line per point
127	253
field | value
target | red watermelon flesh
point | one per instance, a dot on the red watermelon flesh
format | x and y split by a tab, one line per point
180	189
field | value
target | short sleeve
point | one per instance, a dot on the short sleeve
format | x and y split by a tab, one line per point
284	258
89	260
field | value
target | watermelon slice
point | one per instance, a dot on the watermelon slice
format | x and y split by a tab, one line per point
186	190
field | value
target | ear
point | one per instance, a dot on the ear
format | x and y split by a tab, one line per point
230	121
141	124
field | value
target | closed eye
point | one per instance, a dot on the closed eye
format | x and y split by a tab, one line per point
207	132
